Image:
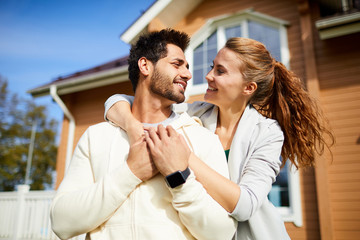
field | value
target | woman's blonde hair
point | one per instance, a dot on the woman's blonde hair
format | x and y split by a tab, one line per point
280	95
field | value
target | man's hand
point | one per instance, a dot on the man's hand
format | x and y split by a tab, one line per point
168	149
140	162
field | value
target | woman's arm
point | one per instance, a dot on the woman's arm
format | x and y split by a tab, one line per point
118	112
223	190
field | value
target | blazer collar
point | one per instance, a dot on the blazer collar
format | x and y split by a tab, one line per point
240	145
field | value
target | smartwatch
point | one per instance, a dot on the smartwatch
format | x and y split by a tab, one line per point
177	178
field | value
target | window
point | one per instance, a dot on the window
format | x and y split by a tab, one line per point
208	41
204	45
335	7
338	18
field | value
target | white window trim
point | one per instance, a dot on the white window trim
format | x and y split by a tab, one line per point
294	212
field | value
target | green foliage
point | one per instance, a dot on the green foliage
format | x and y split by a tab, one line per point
16	120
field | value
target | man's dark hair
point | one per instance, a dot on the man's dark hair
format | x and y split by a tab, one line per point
152	46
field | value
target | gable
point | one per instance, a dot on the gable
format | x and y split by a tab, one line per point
167	14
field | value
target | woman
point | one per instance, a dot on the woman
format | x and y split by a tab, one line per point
260	111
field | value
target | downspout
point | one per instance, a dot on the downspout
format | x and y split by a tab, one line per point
70	142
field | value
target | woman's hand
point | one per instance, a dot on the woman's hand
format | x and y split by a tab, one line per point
168	149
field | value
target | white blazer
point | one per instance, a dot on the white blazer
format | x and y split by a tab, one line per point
254	162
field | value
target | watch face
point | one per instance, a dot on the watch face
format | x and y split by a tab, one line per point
175	179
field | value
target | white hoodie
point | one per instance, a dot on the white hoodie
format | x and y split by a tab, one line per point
100	196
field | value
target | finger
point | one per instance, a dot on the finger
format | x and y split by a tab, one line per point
149	141
172	132
154	136
162	132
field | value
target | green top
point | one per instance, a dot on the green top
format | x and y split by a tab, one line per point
227	154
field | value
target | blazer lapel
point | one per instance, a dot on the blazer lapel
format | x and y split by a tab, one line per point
241	143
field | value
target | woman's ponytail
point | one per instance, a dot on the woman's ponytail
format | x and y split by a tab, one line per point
299	116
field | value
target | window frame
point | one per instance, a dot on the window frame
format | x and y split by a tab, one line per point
293	213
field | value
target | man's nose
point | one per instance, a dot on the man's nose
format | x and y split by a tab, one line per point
186	74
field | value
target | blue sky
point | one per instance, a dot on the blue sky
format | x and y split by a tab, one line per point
43	39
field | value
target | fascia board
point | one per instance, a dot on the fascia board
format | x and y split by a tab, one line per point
81	83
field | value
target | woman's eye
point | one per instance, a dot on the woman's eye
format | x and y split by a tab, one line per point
212	66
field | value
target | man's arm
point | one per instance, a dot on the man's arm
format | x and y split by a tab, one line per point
81	203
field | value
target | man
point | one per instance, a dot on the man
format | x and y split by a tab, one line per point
113	191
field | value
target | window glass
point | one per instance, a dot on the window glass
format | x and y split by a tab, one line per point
279	194
233	32
204	55
268	36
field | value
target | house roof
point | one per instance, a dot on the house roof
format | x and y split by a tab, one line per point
169	12
101	75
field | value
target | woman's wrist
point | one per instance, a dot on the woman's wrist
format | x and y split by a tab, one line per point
134	130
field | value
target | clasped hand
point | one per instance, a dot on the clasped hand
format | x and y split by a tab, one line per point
160	150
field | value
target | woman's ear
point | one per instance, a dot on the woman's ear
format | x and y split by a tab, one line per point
144	66
250	88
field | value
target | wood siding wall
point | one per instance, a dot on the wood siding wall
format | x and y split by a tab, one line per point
338	64
343	109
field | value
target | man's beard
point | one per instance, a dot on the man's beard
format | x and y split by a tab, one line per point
163	86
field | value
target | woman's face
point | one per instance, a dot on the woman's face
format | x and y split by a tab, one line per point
225	82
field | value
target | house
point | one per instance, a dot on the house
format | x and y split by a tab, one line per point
318	40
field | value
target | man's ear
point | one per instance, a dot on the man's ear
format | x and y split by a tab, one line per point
250	88
144	66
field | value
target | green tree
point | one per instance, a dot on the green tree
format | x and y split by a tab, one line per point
16	119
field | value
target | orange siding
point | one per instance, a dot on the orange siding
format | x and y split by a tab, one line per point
342	106
195	98
338	62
